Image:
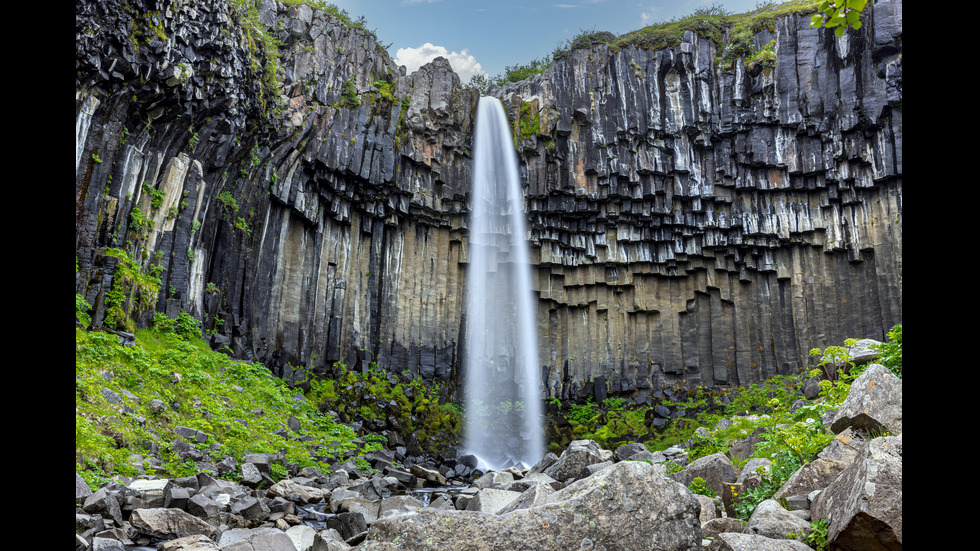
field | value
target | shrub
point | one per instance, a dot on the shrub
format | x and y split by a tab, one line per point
890	353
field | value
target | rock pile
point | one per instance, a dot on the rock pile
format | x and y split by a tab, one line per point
586	497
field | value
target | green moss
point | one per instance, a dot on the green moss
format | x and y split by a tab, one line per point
133	291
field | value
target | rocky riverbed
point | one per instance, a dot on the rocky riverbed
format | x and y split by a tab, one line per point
585	497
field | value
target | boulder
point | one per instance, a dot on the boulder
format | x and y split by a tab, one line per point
105	503
255	539
627	506
166	524
189	543
291	490
82	490
732	541
537	494
493	479
771	520
398	505
873	405
578	455
715	526
151	491
716	470
863	506
532	479
431	477
491	500
202	506
302	536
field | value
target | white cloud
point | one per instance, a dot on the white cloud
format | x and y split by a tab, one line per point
465	65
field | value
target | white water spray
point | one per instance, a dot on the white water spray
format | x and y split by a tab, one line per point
502	377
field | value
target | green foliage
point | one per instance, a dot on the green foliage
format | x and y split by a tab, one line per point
784	464
409	406
834	360
386	90
156	196
803	439
700	487
815	536
839	15
228	202
191	386
82	308
133	291
519	72
583	414
262	47
242	225
764	58
585	39
890	352
348	97
185	326
527	125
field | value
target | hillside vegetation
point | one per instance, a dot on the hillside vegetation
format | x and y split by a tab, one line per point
732	33
137	403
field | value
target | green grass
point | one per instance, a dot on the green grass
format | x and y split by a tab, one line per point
165	381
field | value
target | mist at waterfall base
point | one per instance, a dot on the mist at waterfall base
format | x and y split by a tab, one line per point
503	397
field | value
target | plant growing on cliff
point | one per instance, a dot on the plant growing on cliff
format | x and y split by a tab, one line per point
228	202
348	97
134	290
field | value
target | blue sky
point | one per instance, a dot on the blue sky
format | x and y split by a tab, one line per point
485	36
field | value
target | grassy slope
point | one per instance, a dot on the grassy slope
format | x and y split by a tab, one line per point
241	406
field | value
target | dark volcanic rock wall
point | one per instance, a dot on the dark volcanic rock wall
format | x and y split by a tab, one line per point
688	222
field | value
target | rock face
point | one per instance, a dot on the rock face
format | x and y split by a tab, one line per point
688	221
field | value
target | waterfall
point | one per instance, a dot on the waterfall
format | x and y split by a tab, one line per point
503	396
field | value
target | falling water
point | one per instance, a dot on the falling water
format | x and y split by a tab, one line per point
503	396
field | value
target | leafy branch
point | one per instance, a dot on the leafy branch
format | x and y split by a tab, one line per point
839	15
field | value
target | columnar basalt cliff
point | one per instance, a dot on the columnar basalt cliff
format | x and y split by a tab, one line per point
690	221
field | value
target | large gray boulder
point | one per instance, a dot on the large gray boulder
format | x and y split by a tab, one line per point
716	469
771	520
167	524
863	506
491	500
874	403
578	455
627	506
189	543
255	539
821	472
733	541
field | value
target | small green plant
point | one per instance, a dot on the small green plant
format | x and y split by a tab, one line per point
228	202
348	96
700	487
817	537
